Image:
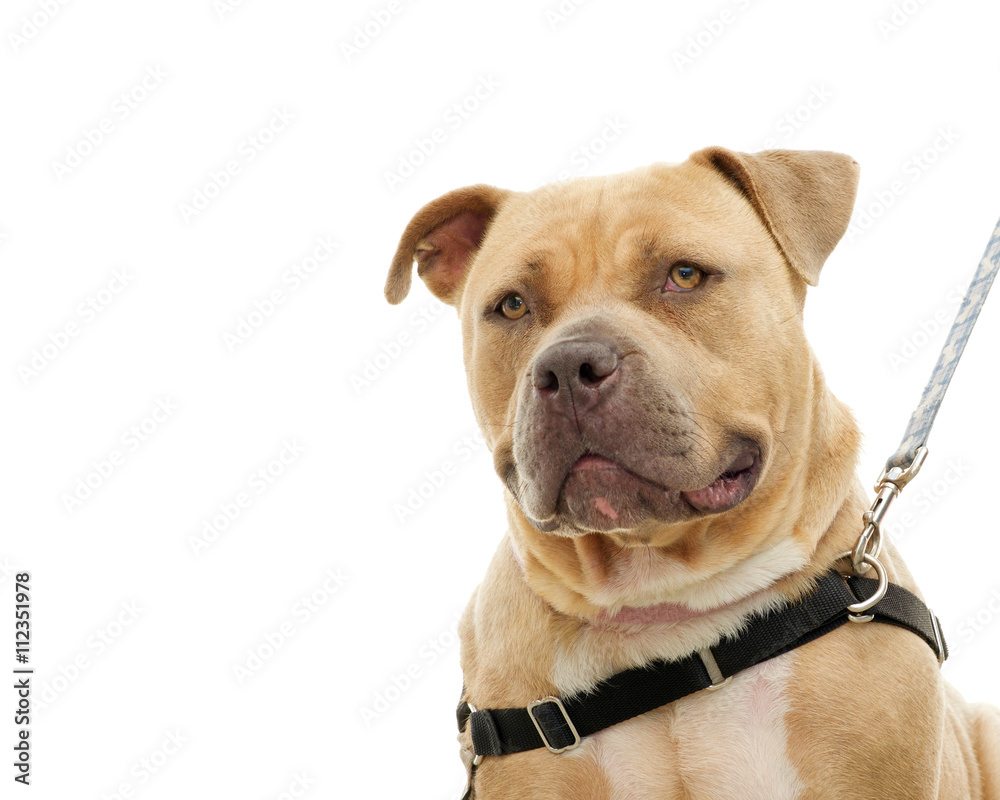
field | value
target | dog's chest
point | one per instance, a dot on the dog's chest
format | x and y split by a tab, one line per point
731	742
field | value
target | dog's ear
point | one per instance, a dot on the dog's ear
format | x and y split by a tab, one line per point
804	197
443	237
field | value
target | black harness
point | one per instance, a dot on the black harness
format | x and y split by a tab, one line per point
561	724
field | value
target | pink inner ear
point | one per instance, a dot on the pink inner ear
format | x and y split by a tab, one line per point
453	243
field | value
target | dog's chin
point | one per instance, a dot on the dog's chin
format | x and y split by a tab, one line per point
601	495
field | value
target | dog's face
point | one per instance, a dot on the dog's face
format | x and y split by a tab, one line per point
633	343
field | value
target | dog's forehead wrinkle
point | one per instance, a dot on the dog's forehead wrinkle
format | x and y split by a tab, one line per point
565	248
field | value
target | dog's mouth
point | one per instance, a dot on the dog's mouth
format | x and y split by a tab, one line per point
731	488
601	494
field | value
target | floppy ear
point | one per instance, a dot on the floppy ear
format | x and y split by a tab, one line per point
443	237
804	197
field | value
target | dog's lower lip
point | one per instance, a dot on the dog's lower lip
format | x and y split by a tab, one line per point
609	494
591	461
731	487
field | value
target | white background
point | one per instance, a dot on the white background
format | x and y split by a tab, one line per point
909	90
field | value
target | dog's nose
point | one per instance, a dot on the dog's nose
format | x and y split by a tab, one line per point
575	372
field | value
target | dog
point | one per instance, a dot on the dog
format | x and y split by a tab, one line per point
673	464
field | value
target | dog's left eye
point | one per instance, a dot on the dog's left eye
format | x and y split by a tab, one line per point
684	277
513	306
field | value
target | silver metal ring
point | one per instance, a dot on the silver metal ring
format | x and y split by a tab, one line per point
856	609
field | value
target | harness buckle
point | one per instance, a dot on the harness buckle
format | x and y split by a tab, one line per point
712	668
942	648
476	758
569	723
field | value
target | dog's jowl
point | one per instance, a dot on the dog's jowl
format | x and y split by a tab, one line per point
675	467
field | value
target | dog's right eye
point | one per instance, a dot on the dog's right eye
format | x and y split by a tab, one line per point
684	277
513	306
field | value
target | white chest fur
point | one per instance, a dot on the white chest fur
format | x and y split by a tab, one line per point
730	743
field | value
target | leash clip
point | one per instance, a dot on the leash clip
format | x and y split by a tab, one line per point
888	486
899	476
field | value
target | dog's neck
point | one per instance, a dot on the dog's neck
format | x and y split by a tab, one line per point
792	529
644	616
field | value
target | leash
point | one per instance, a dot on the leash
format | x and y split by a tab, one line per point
561	724
903	465
923	418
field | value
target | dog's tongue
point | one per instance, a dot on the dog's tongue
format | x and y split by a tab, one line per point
602	505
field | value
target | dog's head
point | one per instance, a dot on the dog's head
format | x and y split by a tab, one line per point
634	343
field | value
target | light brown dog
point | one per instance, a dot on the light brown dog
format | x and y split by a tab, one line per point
673	463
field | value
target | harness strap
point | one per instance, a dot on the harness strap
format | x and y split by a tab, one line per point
919	428
560	724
